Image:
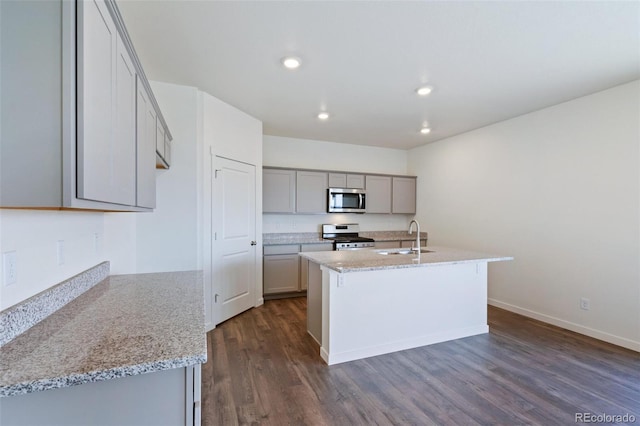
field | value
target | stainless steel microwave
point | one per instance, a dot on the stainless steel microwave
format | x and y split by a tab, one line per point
346	200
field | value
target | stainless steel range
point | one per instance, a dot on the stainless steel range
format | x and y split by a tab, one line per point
345	237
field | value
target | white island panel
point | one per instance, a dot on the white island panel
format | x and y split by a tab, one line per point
377	312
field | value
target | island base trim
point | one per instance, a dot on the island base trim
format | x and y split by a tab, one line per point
429	339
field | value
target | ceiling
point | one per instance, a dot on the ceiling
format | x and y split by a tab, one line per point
363	60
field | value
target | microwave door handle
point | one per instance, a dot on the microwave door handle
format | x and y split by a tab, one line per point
361	203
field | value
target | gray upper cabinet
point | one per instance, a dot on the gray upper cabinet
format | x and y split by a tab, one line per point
346	180
311	192
403	195
160	140
305	191
355	181
106	110
278	191
84	144
146	146
378	194
337	180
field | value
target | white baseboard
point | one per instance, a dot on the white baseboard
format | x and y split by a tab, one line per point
596	334
430	339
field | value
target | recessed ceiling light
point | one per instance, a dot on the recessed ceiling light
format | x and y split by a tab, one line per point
291	62
323	115
424	90
425	130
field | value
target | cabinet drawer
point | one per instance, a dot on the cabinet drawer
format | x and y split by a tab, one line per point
281	249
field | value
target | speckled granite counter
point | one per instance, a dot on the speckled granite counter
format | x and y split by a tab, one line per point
316	237
293	238
123	326
371	260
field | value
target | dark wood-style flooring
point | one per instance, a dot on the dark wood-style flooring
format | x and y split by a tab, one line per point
265	369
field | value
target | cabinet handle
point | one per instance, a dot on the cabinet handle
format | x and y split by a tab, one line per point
253	243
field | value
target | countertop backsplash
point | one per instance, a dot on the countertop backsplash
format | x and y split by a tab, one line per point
289	223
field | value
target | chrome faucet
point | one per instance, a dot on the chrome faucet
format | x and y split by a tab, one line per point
417	247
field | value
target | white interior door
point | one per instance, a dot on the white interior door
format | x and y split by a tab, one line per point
234	226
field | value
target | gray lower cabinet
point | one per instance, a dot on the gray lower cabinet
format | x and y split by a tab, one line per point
284	271
281	273
378	194
169	397
311	192
278	191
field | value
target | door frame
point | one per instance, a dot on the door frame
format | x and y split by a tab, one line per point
212	314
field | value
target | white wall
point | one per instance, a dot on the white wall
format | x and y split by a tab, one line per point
310	154
230	133
559	189
169	238
34	234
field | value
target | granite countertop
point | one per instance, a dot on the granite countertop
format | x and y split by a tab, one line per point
372	260
316	237
123	326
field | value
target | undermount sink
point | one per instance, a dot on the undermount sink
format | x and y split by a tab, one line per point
387	252
394	251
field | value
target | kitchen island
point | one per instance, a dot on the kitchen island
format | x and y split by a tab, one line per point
371	302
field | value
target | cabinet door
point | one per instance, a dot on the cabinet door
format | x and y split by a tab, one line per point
278	191
146	147
311	192
404	195
355	181
345	180
167	149
304	263
337	180
106	110
378	194
159	138
280	273
124	143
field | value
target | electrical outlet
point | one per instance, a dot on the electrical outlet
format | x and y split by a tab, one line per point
585	304
10	267
60	252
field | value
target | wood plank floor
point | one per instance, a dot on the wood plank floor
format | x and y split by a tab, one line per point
265	369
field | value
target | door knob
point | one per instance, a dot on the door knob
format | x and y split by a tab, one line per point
253	243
